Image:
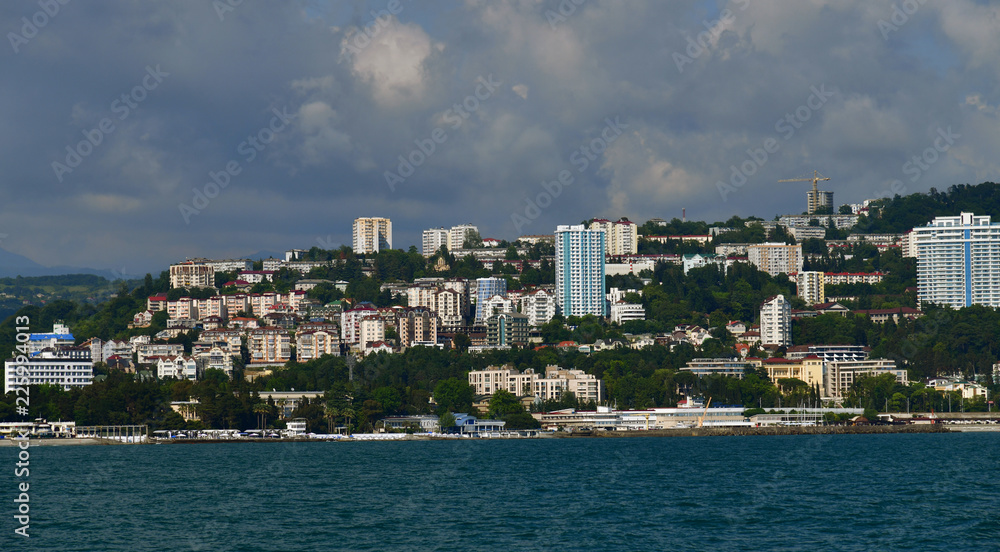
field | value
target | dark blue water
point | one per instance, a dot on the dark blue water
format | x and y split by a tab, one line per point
803	493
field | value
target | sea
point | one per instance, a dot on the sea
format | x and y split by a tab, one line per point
920	492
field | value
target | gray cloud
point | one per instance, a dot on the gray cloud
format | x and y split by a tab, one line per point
360	104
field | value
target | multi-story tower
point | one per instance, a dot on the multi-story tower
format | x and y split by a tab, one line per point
457	235
580	271
372	234
776	321
810	286
621	237
433	239
775	258
958	261
192	274
486	288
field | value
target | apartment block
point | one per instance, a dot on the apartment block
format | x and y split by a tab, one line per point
775	258
958	261
372	234
192	274
66	367
810	287
776	321
621	237
580	271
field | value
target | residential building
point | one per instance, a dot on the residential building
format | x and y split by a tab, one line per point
580	272
840	376
585	387
958	261
775	258
622	312
144	351
269	346
908	245
810	287
506	329
732	367
432	240
416	325
191	274
312	344
156	303
65	366
829	353
60	337
215	358
539	305
808	369
458	234
834	278
371	329
350	323
177	367
485	289
372	234
496	305
776	321
621	237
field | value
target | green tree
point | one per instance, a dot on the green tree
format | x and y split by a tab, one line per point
453	395
504	403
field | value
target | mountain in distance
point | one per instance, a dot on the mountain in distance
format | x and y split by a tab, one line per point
13	265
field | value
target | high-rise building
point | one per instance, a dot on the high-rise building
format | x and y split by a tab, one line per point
457	235
820	200
580	271
372	234
776	321
958	261
621	237
486	288
192	274
433	239
810	286
775	258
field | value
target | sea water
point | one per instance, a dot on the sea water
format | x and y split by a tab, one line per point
808	493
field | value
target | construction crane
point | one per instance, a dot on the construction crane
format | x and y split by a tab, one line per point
701	419
812	202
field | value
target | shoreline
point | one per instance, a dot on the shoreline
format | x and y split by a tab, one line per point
687	432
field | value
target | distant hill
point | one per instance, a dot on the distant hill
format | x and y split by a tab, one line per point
12	265
903	213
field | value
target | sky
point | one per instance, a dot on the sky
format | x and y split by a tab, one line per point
134	134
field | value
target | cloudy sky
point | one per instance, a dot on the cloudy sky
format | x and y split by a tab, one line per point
114	116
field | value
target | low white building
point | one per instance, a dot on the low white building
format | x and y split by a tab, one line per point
177	367
622	312
66	367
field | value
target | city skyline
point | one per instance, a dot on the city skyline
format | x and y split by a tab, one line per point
138	135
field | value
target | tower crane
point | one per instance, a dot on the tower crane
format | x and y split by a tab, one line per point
813	201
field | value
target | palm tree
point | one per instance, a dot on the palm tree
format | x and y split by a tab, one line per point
348	413
261	409
331	416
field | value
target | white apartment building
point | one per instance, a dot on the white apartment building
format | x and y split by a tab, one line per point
350	323
371	329
839	377
810	286
585	387
580	272
775	258
432	240
622	312
372	234
958	261
621	237
834	278
146	350
539	305
215	358
776	321
192	274
177	367
66	367
457	235
908	245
